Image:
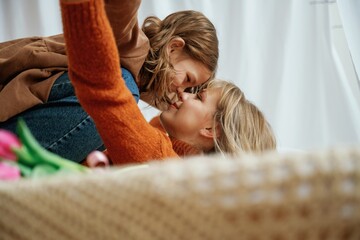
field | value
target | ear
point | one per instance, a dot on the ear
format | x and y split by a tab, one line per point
175	43
209	133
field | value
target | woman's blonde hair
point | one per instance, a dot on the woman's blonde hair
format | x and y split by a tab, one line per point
243	126
201	43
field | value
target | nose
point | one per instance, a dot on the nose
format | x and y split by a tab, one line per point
183	96
179	90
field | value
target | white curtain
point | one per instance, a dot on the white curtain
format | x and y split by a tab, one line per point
290	57
350	15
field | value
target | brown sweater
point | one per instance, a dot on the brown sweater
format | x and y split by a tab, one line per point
29	66
96	76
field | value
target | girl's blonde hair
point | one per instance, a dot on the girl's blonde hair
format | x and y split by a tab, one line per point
243	126
201	43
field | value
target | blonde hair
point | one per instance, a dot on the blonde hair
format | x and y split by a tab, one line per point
243	125
201	43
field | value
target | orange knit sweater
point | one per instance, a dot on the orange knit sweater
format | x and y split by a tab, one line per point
181	148
96	76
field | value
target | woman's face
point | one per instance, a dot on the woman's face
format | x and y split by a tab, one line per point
192	113
188	71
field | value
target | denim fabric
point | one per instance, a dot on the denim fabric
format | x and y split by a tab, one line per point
131	84
61	125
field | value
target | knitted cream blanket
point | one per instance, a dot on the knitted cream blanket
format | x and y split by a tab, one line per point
313	195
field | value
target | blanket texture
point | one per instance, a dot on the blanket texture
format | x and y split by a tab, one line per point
312	195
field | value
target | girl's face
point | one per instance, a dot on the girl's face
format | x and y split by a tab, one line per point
192	114
188	71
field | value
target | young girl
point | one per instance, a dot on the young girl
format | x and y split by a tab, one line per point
218	118
151	66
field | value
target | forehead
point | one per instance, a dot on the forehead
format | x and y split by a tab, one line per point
213	95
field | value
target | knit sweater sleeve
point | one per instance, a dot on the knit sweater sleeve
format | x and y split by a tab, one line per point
96	76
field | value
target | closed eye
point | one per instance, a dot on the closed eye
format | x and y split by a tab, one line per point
193	90
188	90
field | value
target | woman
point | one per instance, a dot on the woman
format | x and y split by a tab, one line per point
218	118
151	66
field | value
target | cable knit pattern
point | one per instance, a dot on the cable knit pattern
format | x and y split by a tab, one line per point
96	76
314	195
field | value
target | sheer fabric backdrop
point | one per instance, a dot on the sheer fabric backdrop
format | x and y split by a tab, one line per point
290	57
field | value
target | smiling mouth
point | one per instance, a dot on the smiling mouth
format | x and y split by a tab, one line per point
174	105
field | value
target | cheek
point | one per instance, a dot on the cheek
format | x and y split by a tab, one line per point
175	83
192	119
183	123
178	78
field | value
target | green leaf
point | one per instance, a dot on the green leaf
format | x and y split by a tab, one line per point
42	170
41	154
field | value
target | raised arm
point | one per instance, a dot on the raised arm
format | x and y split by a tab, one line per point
131	42
96	76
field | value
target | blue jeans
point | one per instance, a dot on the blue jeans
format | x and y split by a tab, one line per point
61	125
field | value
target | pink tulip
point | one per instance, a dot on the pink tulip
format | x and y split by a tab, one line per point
8	172
8	140
97	159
